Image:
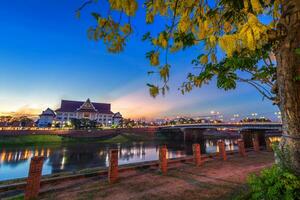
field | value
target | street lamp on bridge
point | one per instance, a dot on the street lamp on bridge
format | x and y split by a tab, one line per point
254	115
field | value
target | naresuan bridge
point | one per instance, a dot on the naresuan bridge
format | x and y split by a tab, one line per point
234	126
193	132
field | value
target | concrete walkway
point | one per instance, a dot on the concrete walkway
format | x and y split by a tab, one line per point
215	179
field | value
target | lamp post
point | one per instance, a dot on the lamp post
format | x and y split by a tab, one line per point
278	115
236	116
214	114
254	115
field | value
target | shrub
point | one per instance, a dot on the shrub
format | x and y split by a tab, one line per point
274	183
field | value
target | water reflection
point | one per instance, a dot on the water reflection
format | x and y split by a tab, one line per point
14	162
211	145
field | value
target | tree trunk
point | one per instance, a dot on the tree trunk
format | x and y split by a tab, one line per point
288	80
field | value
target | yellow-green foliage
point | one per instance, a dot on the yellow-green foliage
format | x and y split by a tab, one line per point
232	25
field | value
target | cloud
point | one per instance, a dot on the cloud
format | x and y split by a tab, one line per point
26	110
140	104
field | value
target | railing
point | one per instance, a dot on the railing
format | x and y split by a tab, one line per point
235	125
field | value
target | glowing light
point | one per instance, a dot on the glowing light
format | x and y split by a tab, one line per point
63	161
3	154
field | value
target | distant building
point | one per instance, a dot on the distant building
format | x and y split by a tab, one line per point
46	118
117	118
99	112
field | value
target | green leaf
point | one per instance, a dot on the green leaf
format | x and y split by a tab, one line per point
95	15
297	78
146	36
164	72
150	72
78	14
153	90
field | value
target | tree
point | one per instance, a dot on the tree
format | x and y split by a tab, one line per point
83	123
25	121
76	123
128	123
264	53
255	120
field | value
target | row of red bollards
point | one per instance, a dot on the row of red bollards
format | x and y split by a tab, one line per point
36	164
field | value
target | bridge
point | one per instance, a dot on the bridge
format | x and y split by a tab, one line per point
234	126
193	132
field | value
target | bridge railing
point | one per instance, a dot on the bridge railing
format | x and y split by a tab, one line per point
227	124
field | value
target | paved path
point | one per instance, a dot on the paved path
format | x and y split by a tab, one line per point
215	179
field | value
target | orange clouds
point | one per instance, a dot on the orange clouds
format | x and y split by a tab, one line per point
140	104
26	110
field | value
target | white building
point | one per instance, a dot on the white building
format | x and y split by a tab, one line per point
46	118
117	118
100	112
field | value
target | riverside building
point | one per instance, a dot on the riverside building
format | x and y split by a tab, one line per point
99	112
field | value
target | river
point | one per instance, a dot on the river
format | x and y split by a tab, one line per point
14	161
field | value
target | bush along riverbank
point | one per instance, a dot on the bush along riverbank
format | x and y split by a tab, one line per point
275	183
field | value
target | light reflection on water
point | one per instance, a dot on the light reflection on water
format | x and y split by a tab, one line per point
14	162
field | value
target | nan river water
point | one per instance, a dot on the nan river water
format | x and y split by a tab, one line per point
14	161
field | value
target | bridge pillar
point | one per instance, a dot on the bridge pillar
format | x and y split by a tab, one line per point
197	154
34	178
255	141
241	145
222	150
113	166
163	161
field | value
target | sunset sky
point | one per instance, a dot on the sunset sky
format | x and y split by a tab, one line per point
45	56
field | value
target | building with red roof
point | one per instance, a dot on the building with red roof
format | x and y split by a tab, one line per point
100	112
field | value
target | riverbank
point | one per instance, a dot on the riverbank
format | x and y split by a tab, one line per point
215	179
23	140
26	140
78	133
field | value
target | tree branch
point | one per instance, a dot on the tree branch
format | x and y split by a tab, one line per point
84	5
257	87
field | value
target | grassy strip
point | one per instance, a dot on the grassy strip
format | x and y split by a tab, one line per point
18	197
116	139
33	140
126	138
26	140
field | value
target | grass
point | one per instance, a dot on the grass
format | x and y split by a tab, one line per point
33	140
117	139
18	197
26	140
125	138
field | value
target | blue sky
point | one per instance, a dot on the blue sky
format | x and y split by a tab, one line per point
45	56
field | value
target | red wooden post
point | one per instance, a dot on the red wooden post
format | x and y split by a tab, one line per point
222	151
163	161
113	166
241	145
34	177
255	143
197	154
